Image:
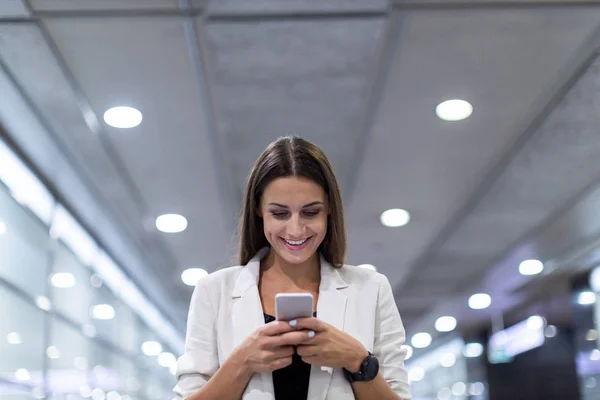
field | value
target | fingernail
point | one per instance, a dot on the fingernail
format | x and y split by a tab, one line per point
293	322
311	334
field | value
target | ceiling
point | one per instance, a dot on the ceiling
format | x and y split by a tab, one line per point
216	81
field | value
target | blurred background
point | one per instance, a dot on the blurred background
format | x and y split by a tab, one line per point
465	134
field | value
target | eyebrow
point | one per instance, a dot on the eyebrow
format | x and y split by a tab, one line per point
314	203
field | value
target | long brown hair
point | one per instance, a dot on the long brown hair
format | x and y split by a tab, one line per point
292	156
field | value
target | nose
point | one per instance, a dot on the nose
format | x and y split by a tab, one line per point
296	227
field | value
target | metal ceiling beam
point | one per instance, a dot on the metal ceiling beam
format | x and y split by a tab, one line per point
199	56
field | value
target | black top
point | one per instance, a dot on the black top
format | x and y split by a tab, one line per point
291	382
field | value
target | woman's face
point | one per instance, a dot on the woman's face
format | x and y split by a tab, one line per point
294	211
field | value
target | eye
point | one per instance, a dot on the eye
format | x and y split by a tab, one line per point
279	214
311	213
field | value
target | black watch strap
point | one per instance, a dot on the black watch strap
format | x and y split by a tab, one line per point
368	370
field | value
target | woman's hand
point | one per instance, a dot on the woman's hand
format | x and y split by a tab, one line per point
270	347
329	346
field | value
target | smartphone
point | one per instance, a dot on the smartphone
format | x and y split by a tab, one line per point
289	306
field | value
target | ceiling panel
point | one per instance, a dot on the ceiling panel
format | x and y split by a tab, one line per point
144	63
279	78
291	6
94	5
430	167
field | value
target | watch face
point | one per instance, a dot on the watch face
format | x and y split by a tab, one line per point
371	368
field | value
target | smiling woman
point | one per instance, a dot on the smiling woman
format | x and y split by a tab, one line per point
293	240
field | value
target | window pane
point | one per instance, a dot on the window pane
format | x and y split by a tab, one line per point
23	247
21	340
68	359
71	288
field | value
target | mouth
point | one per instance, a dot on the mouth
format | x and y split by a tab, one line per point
296	245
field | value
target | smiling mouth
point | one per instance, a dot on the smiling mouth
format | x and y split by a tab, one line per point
296	244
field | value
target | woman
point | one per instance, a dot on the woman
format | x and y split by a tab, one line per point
292	239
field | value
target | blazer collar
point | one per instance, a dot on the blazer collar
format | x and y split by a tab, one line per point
250	274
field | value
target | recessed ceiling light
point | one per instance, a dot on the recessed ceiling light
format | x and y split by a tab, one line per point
586	298
531	267
595	355
476	389
22	375
448	360
550	331
53	352
480	301
103	312
166	359
472	350
2	228
421	340
14	338
62	280
171	223
123	117
416	374
151	348
454	110
445	324
113	396
43	303
409	351
368	266
191	276
395	217
459	389
592	335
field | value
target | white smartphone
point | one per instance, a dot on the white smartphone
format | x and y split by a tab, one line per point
289	306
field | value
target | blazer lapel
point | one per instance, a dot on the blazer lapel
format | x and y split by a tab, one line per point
331	308
247	314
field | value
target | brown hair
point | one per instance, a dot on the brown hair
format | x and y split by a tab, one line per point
292	156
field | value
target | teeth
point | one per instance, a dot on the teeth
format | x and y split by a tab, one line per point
295	242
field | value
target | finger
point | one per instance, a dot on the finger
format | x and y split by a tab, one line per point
313	360
275	328
308	323
307	351
280	363
294	338
285	351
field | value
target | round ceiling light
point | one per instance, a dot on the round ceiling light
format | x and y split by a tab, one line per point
586	298
62	280
395	217
416	374
454	110
171	223
166	360
445	324
103	312
123	117
472	350
151	348
191	276
421	340
480	301
448	360
531	267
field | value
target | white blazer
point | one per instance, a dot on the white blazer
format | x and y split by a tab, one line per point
226	308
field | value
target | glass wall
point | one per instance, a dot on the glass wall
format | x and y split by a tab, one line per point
443	373
65	332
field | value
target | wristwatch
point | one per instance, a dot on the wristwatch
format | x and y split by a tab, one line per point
368	370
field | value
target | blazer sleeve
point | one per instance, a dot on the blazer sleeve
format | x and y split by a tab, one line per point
200	359
389	338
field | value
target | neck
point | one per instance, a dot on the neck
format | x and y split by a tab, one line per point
305	275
